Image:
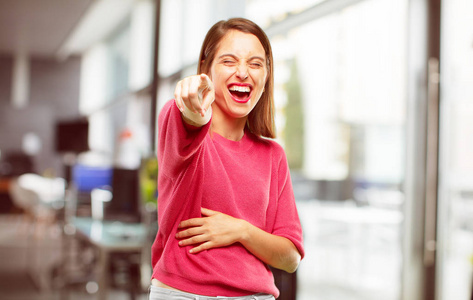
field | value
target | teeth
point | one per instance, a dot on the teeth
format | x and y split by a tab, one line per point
242	89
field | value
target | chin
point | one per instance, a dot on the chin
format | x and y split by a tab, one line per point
242	109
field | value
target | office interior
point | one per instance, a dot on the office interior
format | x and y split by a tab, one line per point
373	108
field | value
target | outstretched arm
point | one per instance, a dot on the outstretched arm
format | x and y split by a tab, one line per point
217	229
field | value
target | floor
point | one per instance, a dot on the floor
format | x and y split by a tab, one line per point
18	264
16	286
346	259
351	254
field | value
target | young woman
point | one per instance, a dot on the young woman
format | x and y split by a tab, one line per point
226	208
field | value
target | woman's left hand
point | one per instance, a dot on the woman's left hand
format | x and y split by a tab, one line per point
214	230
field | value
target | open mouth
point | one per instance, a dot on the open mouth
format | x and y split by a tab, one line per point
240	93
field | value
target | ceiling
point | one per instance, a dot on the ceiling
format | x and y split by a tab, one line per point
38	27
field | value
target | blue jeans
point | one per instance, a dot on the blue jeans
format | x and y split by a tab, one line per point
158	293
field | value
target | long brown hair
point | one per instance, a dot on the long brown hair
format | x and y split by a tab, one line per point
261	118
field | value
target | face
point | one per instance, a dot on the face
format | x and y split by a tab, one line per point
239	73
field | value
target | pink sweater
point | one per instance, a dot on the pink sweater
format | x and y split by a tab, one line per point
248	179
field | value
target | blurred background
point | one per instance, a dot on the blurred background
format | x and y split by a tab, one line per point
374	109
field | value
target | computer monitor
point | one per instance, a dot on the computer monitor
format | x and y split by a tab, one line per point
125	204
72	136
86	178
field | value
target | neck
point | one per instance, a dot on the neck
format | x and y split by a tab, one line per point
230	128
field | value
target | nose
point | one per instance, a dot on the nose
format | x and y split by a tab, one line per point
242	71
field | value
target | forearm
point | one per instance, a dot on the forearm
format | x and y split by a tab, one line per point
217	229
278	252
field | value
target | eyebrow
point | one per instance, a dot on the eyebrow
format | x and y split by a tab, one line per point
235	57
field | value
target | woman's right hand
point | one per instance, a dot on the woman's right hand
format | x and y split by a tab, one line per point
196	93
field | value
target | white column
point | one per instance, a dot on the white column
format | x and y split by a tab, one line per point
21	80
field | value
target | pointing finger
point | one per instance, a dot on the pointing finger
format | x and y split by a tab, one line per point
205	82
194	94
208	93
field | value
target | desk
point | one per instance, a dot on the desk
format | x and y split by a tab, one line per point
110	237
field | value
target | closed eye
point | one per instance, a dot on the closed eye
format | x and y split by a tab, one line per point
256	65
229	62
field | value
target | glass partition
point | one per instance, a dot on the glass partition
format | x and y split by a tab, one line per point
341	86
